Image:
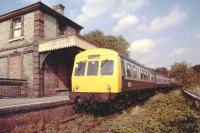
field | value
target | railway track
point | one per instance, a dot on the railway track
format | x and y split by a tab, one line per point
97	123
195	98
82	128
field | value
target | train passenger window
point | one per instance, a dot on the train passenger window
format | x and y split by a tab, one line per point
128	71
123	70
134	72
107	67
141	74
92	68
80	68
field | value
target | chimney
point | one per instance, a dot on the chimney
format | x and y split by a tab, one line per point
59	8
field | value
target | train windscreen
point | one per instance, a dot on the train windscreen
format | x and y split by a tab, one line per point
107	67
92	68
80	68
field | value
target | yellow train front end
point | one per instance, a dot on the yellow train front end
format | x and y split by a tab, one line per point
96	76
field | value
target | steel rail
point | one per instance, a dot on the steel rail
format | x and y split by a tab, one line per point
194	97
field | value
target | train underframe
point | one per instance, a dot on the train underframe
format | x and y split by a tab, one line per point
108	102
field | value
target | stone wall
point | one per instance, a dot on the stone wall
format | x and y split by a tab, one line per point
6	41
50	26
25	62
4	67
70	30
27	72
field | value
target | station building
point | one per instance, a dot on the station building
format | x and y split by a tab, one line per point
38	45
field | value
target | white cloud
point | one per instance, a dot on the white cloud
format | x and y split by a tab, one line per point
177	52
124	14
174	17
124	22
132	5
142	46
93	9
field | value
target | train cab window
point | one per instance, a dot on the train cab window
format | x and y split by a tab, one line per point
128	71
107	67
80	68
92	68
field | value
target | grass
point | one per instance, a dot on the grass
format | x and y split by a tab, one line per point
161	113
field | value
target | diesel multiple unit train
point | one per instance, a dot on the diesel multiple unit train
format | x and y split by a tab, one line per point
104	76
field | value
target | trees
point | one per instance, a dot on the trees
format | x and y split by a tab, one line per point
196	68
183	73
162	70
117	43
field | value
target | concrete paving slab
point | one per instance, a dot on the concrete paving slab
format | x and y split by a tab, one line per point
19	105
19	101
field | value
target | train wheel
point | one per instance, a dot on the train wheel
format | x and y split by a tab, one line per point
119	104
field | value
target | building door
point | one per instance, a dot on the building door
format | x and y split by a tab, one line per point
15	64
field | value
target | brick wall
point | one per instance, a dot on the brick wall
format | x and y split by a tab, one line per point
15	66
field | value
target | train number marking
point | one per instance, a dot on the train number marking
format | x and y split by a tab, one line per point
129	84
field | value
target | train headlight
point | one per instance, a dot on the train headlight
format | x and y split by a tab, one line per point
76	87
108	87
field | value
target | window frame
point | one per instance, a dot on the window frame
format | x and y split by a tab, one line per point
12	28
134	71
75	74
104	64
126	70
97	71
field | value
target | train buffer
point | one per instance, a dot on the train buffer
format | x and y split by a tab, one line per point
9	107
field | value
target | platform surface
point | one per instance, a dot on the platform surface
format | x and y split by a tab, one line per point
6	102
12	106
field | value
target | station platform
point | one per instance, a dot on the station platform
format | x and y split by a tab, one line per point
11	106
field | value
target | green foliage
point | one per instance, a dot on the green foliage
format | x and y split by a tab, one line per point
162	113
117	43
171	114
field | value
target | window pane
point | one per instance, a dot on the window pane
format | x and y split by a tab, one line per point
17	33
16	24
107	67
123	68
80	69
134	72
92	68
128	71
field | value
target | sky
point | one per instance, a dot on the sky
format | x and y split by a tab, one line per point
160	32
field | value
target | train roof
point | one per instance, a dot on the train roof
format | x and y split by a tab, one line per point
137	63
96	51
161	75
106	51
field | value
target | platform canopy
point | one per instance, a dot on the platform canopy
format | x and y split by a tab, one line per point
64	42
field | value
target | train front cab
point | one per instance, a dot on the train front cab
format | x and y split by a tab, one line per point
96	75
